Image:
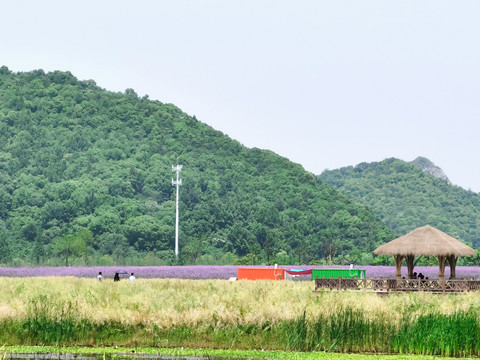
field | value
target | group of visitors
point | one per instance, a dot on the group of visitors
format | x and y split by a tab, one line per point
419	276
116	277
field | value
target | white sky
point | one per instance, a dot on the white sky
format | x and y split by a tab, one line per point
324	83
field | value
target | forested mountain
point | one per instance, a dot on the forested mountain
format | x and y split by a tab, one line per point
85	178
409	195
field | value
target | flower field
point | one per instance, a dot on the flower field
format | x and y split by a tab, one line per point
216	272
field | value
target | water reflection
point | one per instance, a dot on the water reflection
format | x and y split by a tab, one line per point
119	356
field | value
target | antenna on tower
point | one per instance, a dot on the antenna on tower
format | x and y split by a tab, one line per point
177	183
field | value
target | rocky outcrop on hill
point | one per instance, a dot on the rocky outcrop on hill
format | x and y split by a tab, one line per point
430	168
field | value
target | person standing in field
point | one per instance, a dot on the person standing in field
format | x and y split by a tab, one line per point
99	276
131	278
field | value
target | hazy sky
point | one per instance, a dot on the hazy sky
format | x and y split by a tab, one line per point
324	83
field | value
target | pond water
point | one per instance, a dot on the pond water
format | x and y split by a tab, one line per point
119	356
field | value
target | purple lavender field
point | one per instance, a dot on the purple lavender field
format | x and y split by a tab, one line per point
217	272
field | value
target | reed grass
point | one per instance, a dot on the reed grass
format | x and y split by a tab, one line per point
235	315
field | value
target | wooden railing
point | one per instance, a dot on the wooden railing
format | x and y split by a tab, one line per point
390	285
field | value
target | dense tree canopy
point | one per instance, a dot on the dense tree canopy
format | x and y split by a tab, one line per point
405	197
85	177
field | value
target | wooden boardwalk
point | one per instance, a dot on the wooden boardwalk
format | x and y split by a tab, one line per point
393	285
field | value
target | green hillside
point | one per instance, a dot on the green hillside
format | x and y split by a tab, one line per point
405	197
85	178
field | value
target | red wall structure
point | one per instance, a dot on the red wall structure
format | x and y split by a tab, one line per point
260	274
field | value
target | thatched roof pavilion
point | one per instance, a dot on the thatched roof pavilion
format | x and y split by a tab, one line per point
426	241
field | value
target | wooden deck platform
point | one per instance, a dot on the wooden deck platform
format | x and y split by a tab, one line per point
393	285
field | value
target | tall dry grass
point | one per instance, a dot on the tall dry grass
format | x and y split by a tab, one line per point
243	314
165	302
174	302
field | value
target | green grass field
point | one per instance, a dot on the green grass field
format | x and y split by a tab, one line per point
242	315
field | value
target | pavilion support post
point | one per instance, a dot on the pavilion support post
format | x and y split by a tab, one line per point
441	268
410	259
398	265
452	261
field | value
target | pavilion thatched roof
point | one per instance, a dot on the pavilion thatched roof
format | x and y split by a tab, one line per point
426	241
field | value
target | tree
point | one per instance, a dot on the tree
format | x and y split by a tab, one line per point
303	251
73	245
5	250
115	245
84	239
330	249
268	239
38	251
63	247
194	249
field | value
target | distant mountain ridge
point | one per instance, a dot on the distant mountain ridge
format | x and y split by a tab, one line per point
407	195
